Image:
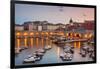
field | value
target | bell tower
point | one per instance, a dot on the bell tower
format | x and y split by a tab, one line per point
71	21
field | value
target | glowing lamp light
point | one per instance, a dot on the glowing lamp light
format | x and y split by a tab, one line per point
61	33
85	36
79	35
51	33
25	34
42	33
75	34
31	33
18	34
66	34
90	35
46	33
71	34
37	33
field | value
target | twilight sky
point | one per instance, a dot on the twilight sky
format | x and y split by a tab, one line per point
52	14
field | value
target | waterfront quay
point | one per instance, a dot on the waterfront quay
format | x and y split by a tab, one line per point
34	40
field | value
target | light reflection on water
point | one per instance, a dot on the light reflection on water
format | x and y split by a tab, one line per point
25	41
34	44
37	42
42	42
31	40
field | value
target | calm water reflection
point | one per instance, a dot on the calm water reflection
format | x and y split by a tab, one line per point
51	56
36	42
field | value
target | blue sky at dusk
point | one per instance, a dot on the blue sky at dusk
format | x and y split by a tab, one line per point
52	14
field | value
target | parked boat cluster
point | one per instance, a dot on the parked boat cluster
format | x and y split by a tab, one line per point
37	55
68	52
87	50
18	50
